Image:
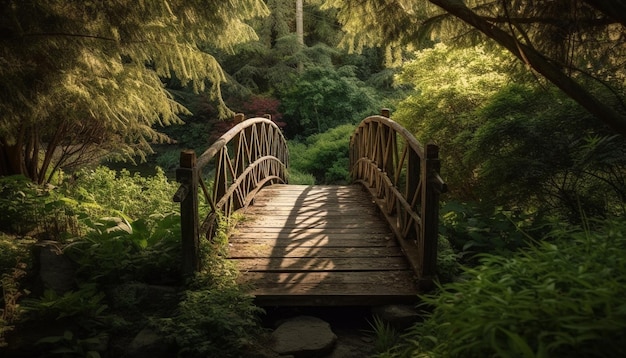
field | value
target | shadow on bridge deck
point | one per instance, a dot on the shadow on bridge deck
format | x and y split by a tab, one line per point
320	246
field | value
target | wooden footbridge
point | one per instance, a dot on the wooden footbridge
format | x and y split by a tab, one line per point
369	243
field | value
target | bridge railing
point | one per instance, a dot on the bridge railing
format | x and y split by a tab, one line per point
403	178
248	157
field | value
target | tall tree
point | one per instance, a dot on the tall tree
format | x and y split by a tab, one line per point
579	46
78	77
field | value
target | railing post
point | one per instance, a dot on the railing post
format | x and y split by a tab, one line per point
187	195
432	187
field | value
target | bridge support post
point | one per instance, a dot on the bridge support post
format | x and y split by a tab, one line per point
432	187
187	195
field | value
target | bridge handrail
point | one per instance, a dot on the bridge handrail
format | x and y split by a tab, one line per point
403	178
249	156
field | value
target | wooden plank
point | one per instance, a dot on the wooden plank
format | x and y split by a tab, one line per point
286	264
332	289
339	289
315	222
348	210
276	279
312	234
307	242
263	250
319	245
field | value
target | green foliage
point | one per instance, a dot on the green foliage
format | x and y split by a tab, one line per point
215	317
99	75
324	155
385	336
129	233
69	345
298	178
15	260
559	50
473	229
448	266
31	209
449	84
561	297
170	159
104	192
212	323
516	145
323	98
87	302
578	165
114	250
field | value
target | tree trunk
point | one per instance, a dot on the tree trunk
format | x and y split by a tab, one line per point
551	71
300	30
10	160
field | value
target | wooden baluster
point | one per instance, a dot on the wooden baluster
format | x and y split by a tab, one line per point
240	157
413	179
386	151
187	195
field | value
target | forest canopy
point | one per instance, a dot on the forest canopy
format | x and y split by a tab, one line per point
578	46
84	77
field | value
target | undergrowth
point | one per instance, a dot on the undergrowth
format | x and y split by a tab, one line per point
215	318
560	297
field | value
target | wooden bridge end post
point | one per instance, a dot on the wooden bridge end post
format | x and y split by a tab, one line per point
432	188
187	176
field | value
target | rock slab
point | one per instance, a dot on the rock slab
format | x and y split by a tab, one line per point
400	317
303	337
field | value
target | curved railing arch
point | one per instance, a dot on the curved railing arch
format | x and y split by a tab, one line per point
248	157
403	178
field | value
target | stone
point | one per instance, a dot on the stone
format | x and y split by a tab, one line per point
353	343
399	317
147	343
303	336
57	271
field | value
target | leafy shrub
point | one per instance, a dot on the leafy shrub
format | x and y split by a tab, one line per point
472	229
323	98
85	303
169	160
297	177
324	155
14	262
69	344
448	266
449	84
116	250
30	209
212	323
215	318
507	140
562	297
578	166
103	192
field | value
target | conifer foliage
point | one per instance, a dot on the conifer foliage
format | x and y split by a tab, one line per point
79	78
578	46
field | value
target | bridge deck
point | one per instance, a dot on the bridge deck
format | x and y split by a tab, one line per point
320	246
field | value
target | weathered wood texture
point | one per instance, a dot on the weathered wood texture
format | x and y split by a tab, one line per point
320	246
248	157
403	178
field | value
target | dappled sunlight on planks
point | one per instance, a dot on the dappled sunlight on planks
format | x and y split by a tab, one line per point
320	245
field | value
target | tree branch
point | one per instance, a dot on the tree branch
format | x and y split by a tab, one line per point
613	9
539	63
